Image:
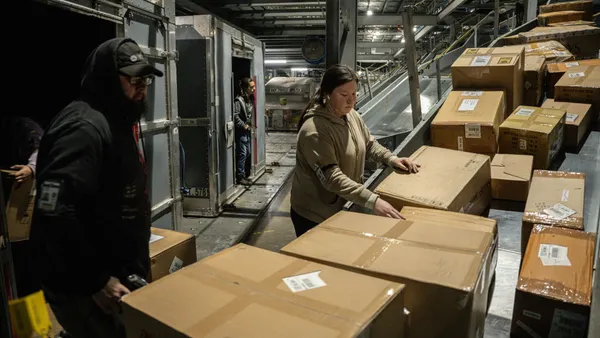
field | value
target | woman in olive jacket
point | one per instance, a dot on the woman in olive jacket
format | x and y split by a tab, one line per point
333	143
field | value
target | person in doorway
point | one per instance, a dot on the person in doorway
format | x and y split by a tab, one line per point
333	143
91	225
243	108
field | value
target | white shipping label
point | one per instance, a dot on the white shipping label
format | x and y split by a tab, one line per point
155	238
554	255
561	53
576	75
525	112
304	282
572	117
522	144
472	130
477	93
481	60
571	64
49	196
176	265
460	143
565	195
559	211
468	104
567	324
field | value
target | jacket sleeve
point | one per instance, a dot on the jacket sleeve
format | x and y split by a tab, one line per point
67	182
319	152
376	151
237	111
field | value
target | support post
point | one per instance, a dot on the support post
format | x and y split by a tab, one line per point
369	84
496	18
411	62
333	33
530	10
475	28
438	79
349	13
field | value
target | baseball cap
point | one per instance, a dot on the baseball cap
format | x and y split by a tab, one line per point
132	62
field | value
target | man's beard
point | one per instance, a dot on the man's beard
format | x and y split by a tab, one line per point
136	109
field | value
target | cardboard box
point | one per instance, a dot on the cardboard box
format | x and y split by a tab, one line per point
533	131
557	70
582	41
586	6
511	176
444	277
554	51
20	206
249	292
555	198
555	284
578	120
492	68
170	251
580	84
448	180
469	121
544	19
512	40
534	79
571	23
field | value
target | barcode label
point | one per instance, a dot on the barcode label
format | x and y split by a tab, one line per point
476	93
576	75
554	255
460	143
571	64
572	117
567	324
522	144
472	130
559	211
479	61
561	53
468	105
176	264
525	112
304	282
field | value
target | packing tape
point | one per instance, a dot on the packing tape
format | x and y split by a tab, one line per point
537	217
577	234
553	290
558	174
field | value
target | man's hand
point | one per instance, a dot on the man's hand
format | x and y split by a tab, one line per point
383	208
108	298
23	172
406	164
246	127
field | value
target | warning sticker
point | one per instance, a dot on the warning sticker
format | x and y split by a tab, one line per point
505	60
525	112
554	255
559	211
572	117
482	60
304	282
472	130
468	104
576	75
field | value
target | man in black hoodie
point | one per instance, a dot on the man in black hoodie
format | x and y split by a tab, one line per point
91	223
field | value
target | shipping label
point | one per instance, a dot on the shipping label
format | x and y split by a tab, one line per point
472	130
304	282
576	75
554	255
468	105
559	211
572	117
472	93
482	60
525	112
571	64
155	238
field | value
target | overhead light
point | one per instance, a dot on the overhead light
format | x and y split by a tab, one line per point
275	61
403	40
360	73
369	12
299	69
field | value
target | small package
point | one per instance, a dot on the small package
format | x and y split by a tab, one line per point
534	79
555	198
553	51
558	69
469	121
586	6
170	251
545	19
447	180
492	68
20	206
571	23
511	176
580	84
578	120
249	292
555	284
581	40
533	131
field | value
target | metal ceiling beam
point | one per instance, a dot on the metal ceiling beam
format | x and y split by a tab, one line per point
393	19
444	14
366	44
288	22
289	32
257	15
258	2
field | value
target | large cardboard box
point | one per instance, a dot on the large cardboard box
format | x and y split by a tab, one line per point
534	79
444	277
447	180
578	120
555	198
170	251
554	51
571	23
533	131
580	84
20	206
469	121
545	19
581	40
555	284
585	5
557	70
244	291
511	176
492	68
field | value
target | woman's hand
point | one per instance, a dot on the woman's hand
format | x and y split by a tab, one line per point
23	172
406	164
383	208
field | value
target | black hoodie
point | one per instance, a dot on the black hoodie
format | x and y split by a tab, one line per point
92	214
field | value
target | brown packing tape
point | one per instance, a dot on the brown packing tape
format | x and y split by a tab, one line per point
397	231
550	289
572	222
558	174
